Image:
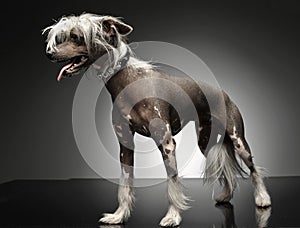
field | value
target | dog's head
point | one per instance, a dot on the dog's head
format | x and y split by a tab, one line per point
81	40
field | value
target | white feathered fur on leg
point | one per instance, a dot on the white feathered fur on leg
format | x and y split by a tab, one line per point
262	197
126	201
178	202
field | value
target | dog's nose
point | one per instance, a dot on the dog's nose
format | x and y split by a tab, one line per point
50	55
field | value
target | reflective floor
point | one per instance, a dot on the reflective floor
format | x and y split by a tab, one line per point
80	203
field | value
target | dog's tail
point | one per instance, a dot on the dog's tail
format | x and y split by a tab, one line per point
222	165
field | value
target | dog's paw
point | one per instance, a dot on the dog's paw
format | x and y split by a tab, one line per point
170	220
223	198
112	218
262	199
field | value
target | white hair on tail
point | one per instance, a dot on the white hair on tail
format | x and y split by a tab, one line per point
220	166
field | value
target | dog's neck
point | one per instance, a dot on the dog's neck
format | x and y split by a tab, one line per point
109	65
108	68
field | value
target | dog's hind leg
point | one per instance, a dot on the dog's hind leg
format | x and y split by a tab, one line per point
235	129
125	193
178	201
262	198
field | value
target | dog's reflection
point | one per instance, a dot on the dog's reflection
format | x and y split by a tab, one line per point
262	215
111	226
228	212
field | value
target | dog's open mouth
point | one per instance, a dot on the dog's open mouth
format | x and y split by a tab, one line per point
73	67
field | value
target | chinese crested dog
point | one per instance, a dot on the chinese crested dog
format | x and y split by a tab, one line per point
81	40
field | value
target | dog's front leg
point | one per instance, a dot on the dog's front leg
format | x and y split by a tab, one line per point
177	199
125	193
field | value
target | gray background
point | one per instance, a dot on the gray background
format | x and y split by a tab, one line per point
252	48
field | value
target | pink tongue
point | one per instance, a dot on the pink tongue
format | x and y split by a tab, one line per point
66	67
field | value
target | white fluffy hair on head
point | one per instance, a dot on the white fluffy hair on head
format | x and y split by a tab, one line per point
94	28
83	39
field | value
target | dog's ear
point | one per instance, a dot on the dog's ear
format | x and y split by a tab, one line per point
112	25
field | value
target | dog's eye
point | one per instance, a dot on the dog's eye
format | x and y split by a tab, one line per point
73	37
